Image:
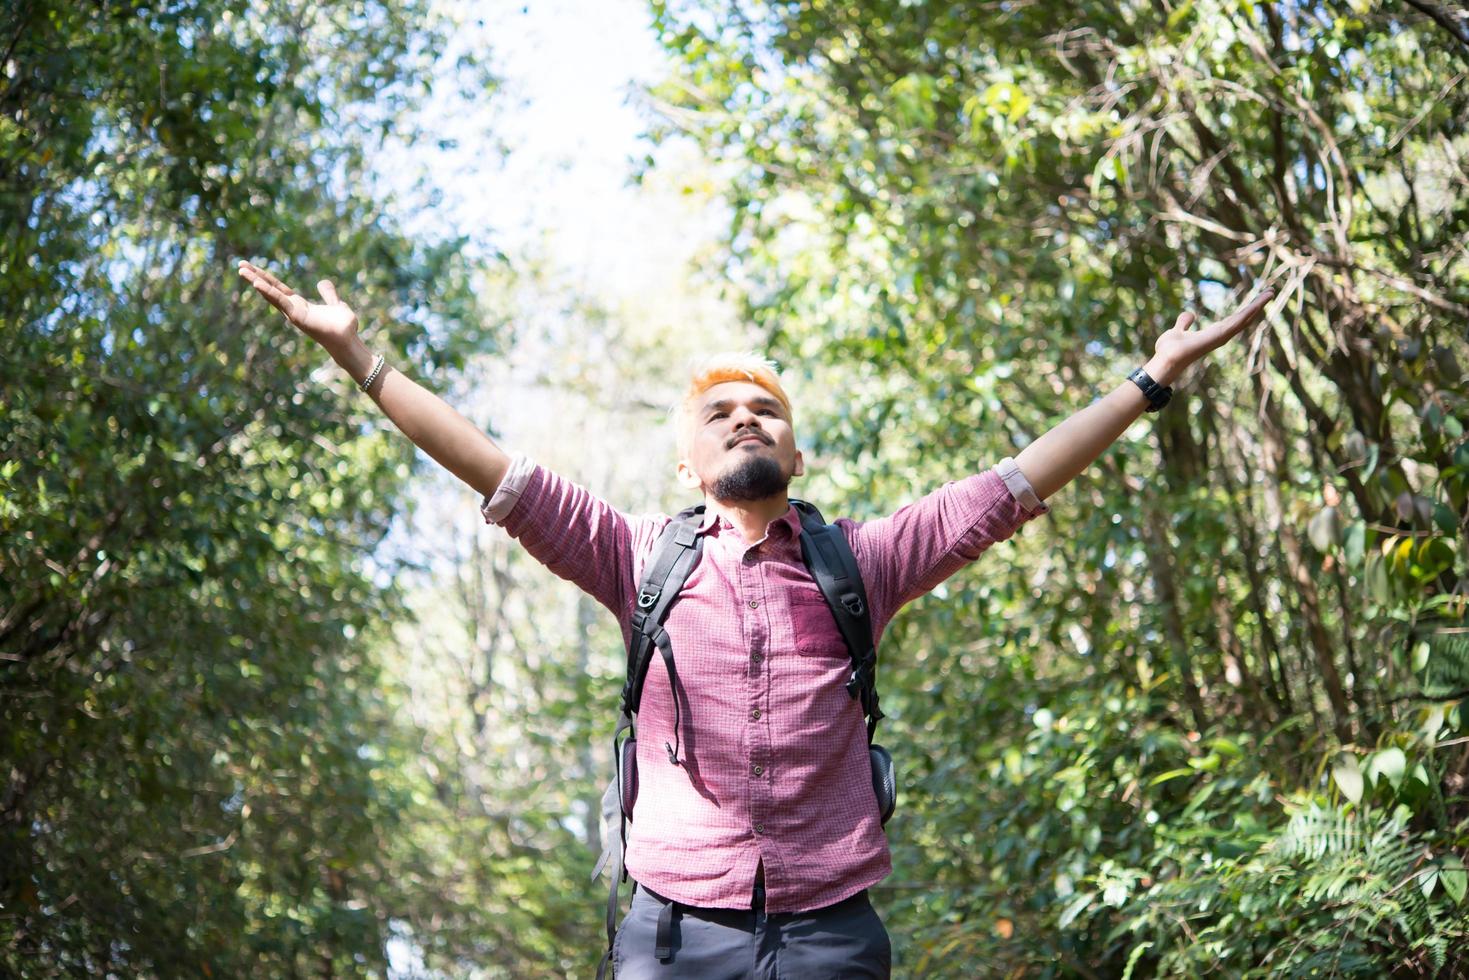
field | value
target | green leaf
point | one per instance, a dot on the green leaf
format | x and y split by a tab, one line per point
1078	905
1391	763
1445	518
1374	453
1226	747
1452	874
1170	774
1434	556
1324	529
1427	878
1208	763
1348	776
1133	957
1006	97
1433	720
1379	581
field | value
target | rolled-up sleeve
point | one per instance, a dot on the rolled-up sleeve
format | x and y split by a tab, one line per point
572	531
498	505
913	550
1019	486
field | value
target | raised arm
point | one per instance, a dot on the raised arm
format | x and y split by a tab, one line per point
449	438
1069	447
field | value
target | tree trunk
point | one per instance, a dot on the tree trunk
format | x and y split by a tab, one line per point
1272	431
1160	564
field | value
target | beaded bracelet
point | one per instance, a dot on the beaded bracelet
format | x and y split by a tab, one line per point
377	367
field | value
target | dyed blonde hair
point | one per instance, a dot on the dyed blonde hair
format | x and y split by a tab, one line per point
717	369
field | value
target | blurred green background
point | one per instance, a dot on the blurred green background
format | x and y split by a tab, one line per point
275	702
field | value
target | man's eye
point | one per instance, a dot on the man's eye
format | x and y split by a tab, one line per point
716	415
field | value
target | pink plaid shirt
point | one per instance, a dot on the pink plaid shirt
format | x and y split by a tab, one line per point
773	749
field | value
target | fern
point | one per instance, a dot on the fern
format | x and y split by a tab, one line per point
1333	893
1371	870
1447	670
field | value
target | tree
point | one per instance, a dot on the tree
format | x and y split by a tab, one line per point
973	219
200	774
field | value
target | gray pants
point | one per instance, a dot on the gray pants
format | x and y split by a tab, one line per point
845	941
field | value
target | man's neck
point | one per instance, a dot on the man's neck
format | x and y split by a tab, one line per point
750	517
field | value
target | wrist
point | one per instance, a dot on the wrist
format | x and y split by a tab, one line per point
1163	371
354	357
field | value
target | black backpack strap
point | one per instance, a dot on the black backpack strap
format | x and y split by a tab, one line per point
829	557
674	556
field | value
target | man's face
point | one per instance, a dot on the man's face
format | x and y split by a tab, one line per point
743	447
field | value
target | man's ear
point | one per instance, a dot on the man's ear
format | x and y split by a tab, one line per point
800	465
687	478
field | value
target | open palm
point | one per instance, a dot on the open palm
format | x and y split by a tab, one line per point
329	323
1182	346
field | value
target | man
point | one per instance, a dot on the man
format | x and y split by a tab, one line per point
756	832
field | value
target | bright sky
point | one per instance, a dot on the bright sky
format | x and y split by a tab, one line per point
568	120
566	113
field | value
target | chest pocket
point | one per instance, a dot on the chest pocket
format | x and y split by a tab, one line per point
816	628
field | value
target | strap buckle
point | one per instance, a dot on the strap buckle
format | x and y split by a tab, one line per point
853	604
648	597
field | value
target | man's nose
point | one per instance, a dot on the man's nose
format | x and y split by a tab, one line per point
743	416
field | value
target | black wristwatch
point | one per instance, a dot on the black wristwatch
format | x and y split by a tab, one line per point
1157	394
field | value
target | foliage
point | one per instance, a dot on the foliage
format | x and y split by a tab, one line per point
971	220
1331	892
1207	718
200	772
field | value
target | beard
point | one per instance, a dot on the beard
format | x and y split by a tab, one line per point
756	478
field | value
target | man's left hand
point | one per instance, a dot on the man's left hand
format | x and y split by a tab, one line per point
1180	347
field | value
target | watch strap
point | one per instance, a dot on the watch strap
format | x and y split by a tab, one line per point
1156	394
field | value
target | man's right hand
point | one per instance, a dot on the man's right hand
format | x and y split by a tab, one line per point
331	323
434	426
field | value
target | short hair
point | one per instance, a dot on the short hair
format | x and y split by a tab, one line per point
717	369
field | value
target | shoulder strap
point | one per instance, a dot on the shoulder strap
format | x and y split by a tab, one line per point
829	557
674	556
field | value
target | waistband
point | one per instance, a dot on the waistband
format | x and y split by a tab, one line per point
757	903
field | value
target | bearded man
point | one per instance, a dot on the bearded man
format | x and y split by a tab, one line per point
757	832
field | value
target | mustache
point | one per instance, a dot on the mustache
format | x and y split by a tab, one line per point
747	435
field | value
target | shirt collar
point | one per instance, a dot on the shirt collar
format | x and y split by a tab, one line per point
791	519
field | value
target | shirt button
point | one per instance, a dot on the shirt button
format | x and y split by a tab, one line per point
757	770
759	828
754	658
755	714
754	603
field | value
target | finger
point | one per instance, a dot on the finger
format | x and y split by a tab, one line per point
272	280
327	291
281	301
1249	313
1259	302
252	275
1184	321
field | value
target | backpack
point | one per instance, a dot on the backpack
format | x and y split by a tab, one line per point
829	558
